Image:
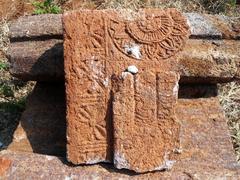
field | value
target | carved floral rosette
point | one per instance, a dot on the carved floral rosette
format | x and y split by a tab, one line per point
159	34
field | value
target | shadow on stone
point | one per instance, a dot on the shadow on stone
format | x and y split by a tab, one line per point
195	91
10	113
50	65
42	127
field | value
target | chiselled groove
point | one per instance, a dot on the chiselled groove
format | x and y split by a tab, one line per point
36	38
89	100
92	146
141	116
153	29
157	95
88	143
135	95
85	114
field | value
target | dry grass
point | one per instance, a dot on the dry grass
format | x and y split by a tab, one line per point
4	41
229	95
227	7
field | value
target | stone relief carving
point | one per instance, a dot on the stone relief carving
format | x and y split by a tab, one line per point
113	115
161	34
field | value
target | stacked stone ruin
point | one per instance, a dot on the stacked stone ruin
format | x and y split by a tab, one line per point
141	95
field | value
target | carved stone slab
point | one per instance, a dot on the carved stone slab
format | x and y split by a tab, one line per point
99	46
146	132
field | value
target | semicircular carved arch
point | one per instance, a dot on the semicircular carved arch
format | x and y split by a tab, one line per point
160	35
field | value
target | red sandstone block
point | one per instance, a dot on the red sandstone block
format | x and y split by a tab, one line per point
98	47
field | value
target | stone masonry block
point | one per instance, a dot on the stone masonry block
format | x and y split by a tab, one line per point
99	47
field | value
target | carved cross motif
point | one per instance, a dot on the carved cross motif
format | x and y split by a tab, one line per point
113	115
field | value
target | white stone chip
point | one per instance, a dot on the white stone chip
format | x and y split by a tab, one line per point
132	69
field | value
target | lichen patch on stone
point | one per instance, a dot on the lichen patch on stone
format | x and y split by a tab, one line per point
167	164
94	161
133	50
120	161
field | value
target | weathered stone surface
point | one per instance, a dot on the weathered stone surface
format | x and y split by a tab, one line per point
42	127
4	166
209	61
146	132
43	26
229	26
206	152
205	61
96	50
37	60
200	26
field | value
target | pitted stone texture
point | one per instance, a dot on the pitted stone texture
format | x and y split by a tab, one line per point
45	25
44	63
205	61
200	26
100	45
146	133
202	61
4	166
52	167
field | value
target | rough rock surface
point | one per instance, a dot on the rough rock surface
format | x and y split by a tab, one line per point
209	61
42	63
30	27
4	165
200	26
98	47
206	152
205	61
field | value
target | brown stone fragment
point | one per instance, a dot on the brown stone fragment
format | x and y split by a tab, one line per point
205	61
42	27
100	45
37	60
4	165
145	129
